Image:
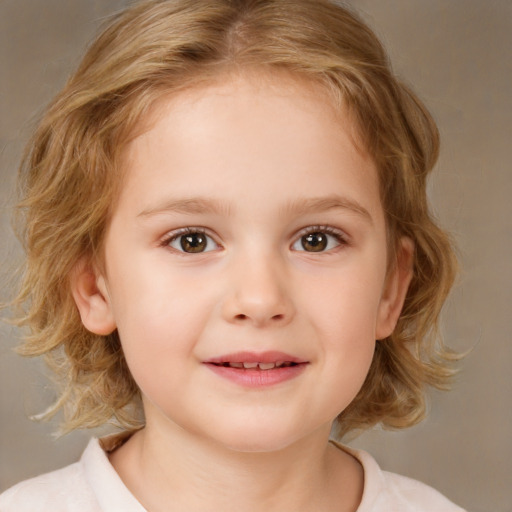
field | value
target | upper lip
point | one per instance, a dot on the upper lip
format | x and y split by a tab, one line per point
270	356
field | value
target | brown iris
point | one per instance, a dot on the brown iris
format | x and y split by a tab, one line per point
314	242
193	242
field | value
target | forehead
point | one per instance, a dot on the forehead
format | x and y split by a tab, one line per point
259	84
243	132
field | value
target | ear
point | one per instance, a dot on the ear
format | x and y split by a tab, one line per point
91	296
395	290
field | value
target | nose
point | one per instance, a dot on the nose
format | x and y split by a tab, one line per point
259	293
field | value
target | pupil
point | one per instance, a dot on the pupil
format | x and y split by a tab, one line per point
195	242
314	242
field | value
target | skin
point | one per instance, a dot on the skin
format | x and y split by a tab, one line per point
276	162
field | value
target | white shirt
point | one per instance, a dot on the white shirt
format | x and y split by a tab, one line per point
92	485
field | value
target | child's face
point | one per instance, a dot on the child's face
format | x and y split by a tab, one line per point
249	229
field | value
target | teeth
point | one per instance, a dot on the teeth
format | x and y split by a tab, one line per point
260	366
266	366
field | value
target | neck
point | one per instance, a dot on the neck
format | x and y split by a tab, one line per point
182	472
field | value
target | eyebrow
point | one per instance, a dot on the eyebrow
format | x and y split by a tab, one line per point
300	206
322	204
191	206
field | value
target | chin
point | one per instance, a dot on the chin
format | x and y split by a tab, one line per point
259	439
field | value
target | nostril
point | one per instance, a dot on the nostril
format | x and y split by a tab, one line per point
274	318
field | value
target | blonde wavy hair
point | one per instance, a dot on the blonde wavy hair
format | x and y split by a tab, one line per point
70	178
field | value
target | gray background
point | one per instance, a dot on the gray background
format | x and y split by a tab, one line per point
456	54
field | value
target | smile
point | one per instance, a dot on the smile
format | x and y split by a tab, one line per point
257	370
257	366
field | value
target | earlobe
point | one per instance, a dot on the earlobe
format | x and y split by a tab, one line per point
91	297
395	291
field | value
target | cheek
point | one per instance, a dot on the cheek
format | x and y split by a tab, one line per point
159	321
346	304
344	330
343	313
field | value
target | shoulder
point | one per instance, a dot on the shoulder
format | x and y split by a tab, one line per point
414	496
90	485
64	490
385	491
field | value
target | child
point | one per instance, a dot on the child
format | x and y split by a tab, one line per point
229	251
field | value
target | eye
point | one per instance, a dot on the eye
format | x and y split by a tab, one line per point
319	239
191	241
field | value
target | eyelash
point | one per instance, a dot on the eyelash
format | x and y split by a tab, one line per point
340	237
175	235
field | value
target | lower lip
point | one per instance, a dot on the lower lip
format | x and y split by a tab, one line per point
252	378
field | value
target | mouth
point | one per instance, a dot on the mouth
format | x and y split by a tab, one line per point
268	360
258	366
256	370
